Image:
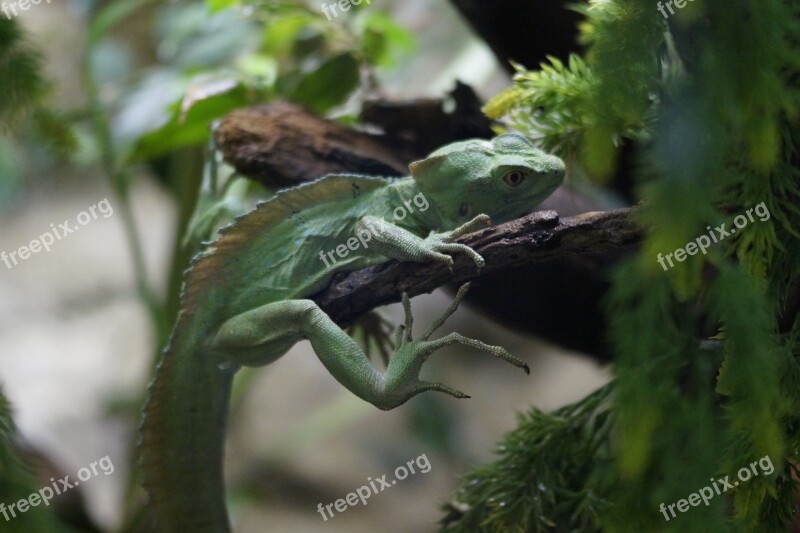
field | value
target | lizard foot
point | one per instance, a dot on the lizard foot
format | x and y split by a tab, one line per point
443	242
401	379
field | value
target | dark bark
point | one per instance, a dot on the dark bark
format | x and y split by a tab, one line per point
539	237
419	126
282	145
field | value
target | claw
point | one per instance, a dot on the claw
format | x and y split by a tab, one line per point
441	387
398	336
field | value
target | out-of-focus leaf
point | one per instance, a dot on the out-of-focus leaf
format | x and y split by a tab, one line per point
383	41
193	129
309	41
219	5
112	14
262	68
328	85
203	90
279	36
764	147
599	153
148	108
192	39
112	63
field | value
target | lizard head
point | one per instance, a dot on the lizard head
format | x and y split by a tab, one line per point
505	178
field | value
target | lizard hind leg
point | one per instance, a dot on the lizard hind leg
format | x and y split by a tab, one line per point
373	332
263	334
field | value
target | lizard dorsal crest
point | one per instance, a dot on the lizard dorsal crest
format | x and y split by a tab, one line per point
210	266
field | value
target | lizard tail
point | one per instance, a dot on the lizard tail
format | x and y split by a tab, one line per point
183	435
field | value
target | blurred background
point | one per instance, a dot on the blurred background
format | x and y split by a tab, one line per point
80	325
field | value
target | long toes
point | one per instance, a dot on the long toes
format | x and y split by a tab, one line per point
479	262
399	338
477	223
501	353
441	387
462	291
496	351
453	248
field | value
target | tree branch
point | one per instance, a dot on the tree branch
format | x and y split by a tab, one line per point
281	145
541	236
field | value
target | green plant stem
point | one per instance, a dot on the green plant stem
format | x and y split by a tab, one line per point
120	183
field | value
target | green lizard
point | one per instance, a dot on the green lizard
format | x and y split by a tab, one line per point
243	301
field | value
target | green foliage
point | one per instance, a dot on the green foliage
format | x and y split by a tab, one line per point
328	84
562	128
557	487
590	104
705	379
23	92
23	86
212	57
16	482
215	60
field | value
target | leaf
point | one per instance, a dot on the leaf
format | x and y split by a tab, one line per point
279	36
501	103
599	153
329	85
382	40
219	5
189	125
111	15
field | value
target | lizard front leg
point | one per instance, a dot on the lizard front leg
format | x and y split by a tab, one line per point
398	243
261	335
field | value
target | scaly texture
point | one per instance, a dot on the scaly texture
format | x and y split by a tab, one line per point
243	301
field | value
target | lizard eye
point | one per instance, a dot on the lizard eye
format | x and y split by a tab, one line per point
514	178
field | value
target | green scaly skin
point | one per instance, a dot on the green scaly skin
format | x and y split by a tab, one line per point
244	301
